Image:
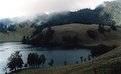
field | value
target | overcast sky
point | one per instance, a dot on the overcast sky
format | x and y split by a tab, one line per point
16	8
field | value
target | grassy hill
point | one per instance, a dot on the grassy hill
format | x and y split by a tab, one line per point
16	35
80	30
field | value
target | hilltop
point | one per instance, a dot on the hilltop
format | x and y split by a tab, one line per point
113	8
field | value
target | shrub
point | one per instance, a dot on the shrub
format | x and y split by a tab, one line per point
113	27
12	28
92	34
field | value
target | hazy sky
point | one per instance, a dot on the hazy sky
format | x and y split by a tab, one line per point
15	8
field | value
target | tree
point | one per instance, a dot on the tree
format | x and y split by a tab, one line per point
85	59
20	63
39	61
81	58
113	27
34	60
65	63
43	59
29	59
77	62
51	62
12	28
106	19
24	40
89	58
15	61
25	65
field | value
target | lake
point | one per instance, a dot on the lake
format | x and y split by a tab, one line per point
58	54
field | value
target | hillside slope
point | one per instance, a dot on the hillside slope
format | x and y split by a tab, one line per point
80	32
16	35
113	8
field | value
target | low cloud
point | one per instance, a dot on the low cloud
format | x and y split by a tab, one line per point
14	8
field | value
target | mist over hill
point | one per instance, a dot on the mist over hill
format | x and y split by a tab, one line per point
114	8
83	16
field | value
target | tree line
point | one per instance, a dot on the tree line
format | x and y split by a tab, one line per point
15	61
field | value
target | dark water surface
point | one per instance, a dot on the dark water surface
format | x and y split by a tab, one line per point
58	54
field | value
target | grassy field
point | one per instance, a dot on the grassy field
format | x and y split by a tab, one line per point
104	64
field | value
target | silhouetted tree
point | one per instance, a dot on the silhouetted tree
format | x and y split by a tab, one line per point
43	59
21	25
24	39
92	56
109	30
39	61
29	59
85	59
15	61
65	63
51	62
113	27
77	62
34	60
106	19
25	65
81	58
89	57
20	63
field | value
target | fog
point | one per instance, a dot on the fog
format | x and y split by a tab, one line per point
19	8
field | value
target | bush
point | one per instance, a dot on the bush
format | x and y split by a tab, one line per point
35	60
113	27
12	28
101	49
92	34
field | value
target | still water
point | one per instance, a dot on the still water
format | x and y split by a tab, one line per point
58	54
